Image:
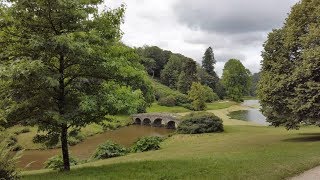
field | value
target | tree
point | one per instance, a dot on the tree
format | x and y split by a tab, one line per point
188	76
289	88
208	62
197	94
159	56
172	70
255	79
236	79
60	62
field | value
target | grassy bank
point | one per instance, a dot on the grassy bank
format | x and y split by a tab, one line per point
241	152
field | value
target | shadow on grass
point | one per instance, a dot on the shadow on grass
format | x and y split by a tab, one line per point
307	137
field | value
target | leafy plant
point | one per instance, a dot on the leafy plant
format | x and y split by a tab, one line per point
56	162
167	101
201	122
109	149
147	144
8	162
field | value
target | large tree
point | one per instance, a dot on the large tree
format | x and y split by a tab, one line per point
236	79
60	63
172	70
187	76
289	88
208	61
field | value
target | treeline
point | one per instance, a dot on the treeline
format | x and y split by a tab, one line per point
179	72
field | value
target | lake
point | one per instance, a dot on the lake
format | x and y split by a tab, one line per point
126	136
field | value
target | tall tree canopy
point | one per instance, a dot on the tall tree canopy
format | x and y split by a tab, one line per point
154	59
236	79
61	63
289	88
208	62
172	70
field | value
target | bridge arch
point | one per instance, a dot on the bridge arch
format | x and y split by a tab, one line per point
157	122
171	125
137	121
146	121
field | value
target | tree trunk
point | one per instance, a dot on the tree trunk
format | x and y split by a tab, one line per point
65	150
64	126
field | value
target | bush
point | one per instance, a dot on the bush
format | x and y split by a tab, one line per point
167	101
188	106
198	105
210	95
201	122
109	150
182	99
147	144
8	162
23	130
56	162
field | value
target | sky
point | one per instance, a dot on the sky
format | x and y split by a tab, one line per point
233	28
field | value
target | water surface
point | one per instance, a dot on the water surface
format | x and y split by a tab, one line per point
253	114
126	136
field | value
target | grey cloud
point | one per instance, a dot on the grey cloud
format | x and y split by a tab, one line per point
233	16
225	56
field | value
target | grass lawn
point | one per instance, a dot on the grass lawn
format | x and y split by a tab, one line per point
241	152
155	107
220	105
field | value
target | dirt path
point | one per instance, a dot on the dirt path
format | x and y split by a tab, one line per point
312	174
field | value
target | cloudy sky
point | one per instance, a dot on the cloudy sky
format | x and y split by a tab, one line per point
234	28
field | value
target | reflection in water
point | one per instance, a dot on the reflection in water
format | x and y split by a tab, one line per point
253	114
126	136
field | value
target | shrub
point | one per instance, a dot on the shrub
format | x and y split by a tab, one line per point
182	99
201	122
109	150
197	94
187	106
210	95
147	144
8	162
167	101
56	162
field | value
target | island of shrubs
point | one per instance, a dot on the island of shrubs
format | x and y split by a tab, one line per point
200	122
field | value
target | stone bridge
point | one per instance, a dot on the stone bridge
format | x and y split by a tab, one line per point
169	121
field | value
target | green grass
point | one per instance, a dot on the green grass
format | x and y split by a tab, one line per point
158	108
241	152
220	105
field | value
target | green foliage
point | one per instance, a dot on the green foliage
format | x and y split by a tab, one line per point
197	95
63	66
236	80
21	131
154	59
147	144
168	101
201	122
208	62
289	85
109	150
172	70
188	76
56	163
210	95
8	162
254	85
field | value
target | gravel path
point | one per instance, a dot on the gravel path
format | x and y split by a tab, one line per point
312	174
